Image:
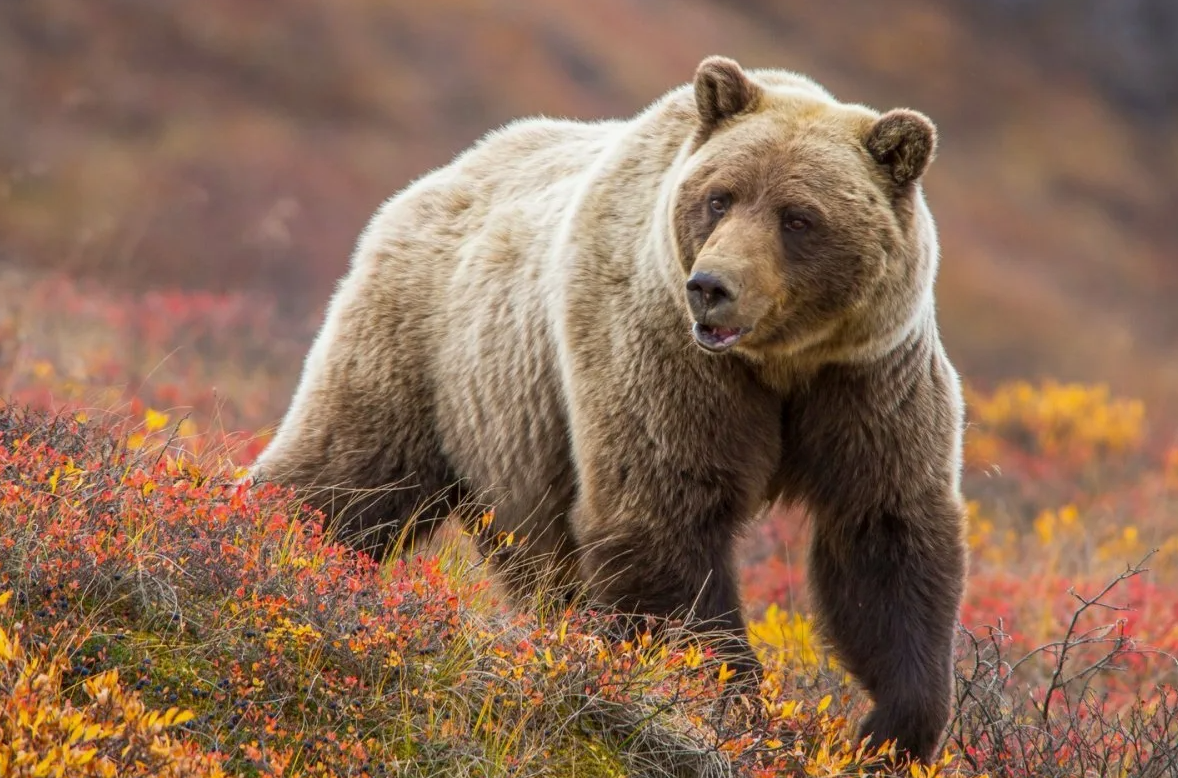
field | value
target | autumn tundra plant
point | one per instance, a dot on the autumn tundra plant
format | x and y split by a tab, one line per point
125	546
283	653
1046	711
109	732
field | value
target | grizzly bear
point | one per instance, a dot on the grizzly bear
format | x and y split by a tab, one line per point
630	337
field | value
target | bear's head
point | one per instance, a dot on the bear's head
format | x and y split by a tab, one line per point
799	220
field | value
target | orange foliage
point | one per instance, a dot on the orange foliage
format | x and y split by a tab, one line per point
110	735
119	527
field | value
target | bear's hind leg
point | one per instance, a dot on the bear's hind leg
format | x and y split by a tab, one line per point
378	500
360	441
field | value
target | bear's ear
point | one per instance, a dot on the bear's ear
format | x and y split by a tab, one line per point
903	141
722	90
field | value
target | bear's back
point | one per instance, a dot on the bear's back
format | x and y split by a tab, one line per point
528	155
462	255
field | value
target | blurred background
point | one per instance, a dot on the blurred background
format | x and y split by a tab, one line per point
240	146
182	183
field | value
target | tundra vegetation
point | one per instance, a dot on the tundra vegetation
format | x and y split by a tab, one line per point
158	619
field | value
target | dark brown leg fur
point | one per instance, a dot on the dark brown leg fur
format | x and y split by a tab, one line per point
887	598
874	452
627	577
673	449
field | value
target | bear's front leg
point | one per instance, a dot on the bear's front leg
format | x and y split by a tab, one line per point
887	581
673	451
677	577
875	453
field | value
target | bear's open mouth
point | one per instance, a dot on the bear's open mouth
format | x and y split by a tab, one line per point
717	338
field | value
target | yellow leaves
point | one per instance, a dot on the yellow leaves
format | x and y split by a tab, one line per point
155	721
1048	522
934	770
154	421
43	767
71	472
786	710
692	657
7	651
305	563
725	673
43	733
833	755
84	733
790	635
980	533
7	646
1124	545
182	467
1060	419
1045	527
193	471
289	633
824	703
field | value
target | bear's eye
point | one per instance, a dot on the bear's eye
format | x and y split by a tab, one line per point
794	223
718	204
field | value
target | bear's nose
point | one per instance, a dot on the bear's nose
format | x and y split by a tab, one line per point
706	291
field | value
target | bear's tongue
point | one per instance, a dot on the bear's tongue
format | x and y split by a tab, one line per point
717	337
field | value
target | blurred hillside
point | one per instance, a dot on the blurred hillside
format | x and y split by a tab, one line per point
241	145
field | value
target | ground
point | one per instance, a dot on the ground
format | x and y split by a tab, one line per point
156	619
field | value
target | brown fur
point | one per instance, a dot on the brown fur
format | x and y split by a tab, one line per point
515	331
